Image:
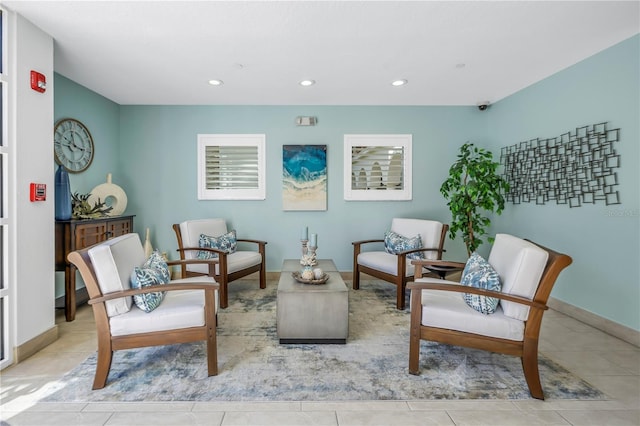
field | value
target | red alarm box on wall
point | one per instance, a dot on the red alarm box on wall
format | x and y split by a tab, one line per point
38	81
38	192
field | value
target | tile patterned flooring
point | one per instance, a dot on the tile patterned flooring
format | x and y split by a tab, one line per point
610	364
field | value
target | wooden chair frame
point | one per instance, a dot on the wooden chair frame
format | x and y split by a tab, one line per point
224	278
108	343
527	349
400	280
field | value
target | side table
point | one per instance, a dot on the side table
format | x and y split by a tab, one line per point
75	234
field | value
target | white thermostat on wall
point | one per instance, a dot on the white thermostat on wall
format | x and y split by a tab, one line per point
306	121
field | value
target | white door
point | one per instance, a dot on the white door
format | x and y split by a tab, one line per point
6	193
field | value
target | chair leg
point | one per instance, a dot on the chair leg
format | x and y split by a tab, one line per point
530	368
103	365
224	297
414	332
263	275
356	277
356	267
400	288
212	342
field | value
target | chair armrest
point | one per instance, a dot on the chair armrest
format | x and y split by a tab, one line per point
221	259
406	252
455	287
247	240
153	288
190	261
361	242
213	250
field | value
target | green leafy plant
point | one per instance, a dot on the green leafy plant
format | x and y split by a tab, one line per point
82	210
473	190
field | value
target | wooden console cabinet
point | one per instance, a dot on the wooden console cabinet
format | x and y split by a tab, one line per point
76	234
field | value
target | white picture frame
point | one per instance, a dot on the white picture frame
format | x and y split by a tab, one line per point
240	178
378	167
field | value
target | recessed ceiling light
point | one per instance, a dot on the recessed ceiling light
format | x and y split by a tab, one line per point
399	82
307	83
216	82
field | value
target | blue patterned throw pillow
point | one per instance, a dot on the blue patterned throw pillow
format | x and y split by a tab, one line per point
395	243
155	271
226	242
480	274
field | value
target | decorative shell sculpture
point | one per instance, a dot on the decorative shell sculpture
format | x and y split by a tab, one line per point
308	259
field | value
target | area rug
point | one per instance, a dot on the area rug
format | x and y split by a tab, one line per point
373	365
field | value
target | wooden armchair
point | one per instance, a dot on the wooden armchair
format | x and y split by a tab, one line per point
386	266
187	313
228	266
527	271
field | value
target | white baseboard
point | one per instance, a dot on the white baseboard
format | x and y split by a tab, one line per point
613	328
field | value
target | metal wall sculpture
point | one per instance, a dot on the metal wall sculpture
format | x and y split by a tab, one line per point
573	168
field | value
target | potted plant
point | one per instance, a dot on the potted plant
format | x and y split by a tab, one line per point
473	190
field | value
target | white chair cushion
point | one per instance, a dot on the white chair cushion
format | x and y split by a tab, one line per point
448	310
179	309
191	230
235	262
383	261
520	265
113	261
429	230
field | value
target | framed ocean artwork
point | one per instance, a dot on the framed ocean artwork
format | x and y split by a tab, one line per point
304	177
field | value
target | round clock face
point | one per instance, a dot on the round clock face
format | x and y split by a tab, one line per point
73	145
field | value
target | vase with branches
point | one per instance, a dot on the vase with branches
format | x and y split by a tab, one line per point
473	190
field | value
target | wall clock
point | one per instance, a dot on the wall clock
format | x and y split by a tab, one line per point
72	145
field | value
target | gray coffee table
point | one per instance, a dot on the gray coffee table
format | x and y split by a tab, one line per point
308	313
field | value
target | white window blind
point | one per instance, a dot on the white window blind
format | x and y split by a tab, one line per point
377	167
231	167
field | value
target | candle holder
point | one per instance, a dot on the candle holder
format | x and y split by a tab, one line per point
308	258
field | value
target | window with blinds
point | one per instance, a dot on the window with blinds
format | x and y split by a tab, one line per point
377	167
231	167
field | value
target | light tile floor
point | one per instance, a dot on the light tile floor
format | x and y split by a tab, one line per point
610	364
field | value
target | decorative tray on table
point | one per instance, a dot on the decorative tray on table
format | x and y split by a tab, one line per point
296	276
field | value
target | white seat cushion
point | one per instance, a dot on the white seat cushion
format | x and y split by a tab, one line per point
179	309
383	261
235	262
520	265
448	310
113	261
429	230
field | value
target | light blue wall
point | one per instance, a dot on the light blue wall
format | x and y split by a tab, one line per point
102	118
158	167
603	240
152	152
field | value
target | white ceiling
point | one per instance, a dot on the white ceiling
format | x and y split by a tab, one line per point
451	52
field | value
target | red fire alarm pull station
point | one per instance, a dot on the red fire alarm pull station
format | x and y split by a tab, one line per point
38	192
38	81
